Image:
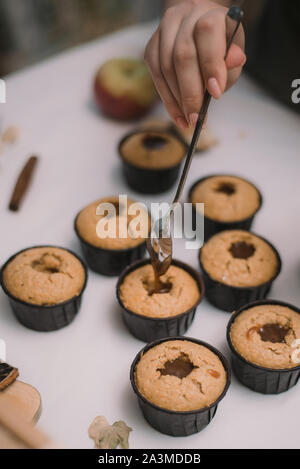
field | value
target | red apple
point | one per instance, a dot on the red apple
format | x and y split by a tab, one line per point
124	89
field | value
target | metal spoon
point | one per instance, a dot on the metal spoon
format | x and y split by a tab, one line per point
159	244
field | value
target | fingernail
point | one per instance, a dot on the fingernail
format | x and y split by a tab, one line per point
214	88
193	119
181	122
244	61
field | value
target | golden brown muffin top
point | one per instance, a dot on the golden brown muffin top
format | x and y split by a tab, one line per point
180	375
239	258
226	198
265	334
87	222
153	150
44	276
136	292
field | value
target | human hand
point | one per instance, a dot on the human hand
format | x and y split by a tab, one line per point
186	55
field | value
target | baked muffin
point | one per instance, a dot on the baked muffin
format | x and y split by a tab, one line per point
264	335
180	375
153	150
110	253
149	315
238	267
239	259
151	159
177	378
135	292
41	282
87	220
263	338
44	276
230	202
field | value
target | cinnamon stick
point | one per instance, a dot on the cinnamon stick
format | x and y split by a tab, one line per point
22	184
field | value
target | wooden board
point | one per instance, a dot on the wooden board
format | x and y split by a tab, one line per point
20	408
17	433
24	398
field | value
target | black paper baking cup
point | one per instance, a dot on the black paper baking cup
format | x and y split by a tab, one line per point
229	298
109	262
44	318
258	378
172	422
148	181
148	329
211	226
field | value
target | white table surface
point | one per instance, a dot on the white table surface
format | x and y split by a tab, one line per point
83	370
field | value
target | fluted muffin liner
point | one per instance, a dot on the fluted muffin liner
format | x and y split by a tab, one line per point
148	180
255	377
212	227
44	318
109	262
147	328
229	298
177	423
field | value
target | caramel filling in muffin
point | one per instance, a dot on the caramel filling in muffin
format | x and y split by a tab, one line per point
274	333
265	334
180	367
242	250
163	288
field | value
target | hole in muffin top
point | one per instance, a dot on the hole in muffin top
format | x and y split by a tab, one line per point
242	250
274	333
226	188
47	264
181	367
152	288
154	142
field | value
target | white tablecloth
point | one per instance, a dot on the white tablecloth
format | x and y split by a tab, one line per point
83	370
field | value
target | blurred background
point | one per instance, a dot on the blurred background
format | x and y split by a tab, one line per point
31	30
